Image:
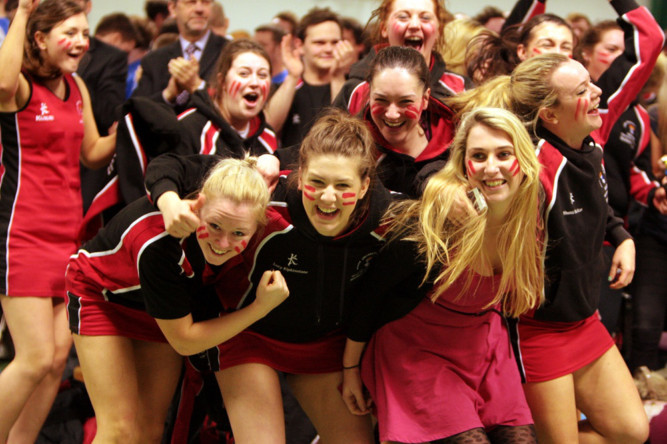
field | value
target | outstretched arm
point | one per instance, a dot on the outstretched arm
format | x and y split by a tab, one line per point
14	88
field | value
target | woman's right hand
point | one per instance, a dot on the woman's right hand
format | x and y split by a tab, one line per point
353	392
27	5
271	291
180	215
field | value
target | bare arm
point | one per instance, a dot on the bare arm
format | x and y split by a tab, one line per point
188	337
96	151
352	391
14	88
278	107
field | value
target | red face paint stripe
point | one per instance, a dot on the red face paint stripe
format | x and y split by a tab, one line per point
202	236
309	188
202	228
412	112
377	109
234	88
537	51
515	168
62	41
471	168
350	203
308	196
244	243
237	249
264	87
349	195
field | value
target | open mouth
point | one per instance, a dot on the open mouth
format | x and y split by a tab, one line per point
414	42
327	213
218	252
251	98
394	124
594	110
494	183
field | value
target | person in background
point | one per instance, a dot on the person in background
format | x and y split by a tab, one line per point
157	11
316	71
46	126
270	36
354	33
491	18
286	20
579	23
175	71
219	21
145	35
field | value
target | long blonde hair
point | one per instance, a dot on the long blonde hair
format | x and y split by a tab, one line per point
453	248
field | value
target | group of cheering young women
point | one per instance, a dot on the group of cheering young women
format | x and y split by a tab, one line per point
367	276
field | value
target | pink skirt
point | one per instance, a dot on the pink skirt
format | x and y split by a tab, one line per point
436	373
550	350
322	356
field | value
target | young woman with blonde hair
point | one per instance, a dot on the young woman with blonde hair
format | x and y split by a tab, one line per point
450	282
136	296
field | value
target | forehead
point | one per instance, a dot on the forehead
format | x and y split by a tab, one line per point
224	210
613	36
79	21
396	81
333	166
569	75
324	31
481	136
551	30
418	5
250	59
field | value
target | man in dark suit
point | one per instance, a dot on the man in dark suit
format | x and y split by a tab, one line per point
177	70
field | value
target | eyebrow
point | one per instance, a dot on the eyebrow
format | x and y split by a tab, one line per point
336	179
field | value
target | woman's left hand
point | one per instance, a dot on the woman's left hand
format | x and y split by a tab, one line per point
622	265
353	392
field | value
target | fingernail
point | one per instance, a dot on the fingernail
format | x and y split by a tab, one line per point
609	278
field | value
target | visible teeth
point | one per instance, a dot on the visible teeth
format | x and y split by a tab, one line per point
393	124
220	252
494	183
327	210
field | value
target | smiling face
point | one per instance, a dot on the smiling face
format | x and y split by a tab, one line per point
64	46
330	189
397	99
610	46
491	166
545	38
576	114
226	229
245	89
412	23
319	44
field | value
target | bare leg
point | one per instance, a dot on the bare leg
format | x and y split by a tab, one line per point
111	381
554	410
158	370
30	382
251	393
319	396
608	397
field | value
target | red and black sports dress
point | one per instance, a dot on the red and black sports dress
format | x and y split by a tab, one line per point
40	190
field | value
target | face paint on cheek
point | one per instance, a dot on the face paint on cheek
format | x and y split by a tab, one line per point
428	29
202	233
471	168
243	246
234	87
264	88
86	45
582	109
514	169
537	51
65	43
412	112
311	189
378	109
352	196
604	57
